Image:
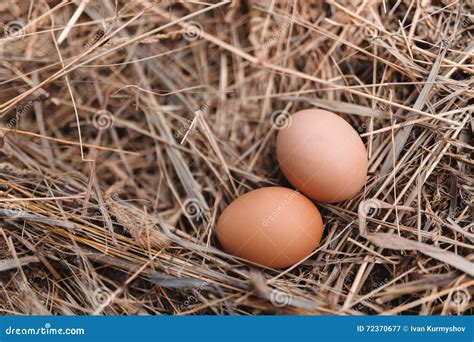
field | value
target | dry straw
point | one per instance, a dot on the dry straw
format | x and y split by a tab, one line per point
128	126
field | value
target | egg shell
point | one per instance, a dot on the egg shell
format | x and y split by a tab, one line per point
273	226
322	156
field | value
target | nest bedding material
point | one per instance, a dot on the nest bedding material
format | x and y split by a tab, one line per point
127	127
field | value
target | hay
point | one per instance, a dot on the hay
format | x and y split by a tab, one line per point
128	126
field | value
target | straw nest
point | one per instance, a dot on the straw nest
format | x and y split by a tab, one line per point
127	127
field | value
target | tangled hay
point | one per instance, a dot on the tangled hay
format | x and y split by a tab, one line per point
127	127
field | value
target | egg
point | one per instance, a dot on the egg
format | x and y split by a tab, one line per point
322	156
274	226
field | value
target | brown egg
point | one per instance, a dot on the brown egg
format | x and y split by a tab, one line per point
274	227
322	156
